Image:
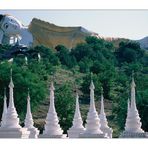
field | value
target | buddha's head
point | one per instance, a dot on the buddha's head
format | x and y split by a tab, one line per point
10	25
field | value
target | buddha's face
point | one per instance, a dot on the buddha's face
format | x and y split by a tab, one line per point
11	26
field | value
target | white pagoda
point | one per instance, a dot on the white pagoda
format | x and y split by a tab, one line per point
11	128
29	124
77	126
3	121
52	127
93	122
133	125
103	120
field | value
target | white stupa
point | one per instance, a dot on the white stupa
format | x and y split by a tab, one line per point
133	125
12	129
39	57
52	127
26	60
3	121
93	122
34	132
103	120
77	126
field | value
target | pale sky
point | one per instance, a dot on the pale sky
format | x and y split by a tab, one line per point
132	24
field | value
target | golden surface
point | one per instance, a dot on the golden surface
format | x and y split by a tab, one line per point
50	35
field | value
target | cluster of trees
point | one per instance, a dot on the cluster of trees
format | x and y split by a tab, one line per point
110	67
36	75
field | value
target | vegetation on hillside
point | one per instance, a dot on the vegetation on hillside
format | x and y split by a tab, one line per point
110	67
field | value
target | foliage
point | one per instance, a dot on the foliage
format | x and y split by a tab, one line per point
23	79
65	56
65	103
48	55
111	67
129	52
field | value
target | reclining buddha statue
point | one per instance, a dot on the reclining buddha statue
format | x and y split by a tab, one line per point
40	33
12	29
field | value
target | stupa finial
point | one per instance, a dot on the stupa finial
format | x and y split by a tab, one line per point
28	98
11	81
133	81
101	90
92	87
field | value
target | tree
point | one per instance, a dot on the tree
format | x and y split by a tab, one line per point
48	55
85	65
23	79
65	56
81	51
129	52
65	102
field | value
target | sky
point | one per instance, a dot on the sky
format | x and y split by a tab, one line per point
131	24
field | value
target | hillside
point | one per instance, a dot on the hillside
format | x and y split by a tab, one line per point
143	42
62	76
108	66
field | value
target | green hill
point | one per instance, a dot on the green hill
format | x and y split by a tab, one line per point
109	66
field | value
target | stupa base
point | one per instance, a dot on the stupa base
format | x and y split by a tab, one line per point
14	132
89	135
107	131
126	134
75	132
34	132
52	136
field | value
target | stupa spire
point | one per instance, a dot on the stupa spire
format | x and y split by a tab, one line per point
52	127
77	122
133	124
12	119
11	128
102	103
28	120
92	114
11	86
52	106
103	120
133	100
3	122
77	126
133	120
92	101
93	121
29	124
